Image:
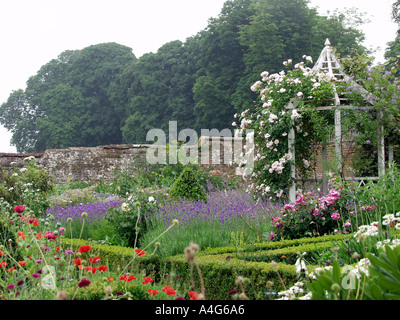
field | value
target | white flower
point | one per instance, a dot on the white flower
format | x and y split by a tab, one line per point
233	124
295	115
300	94
255	86
316	85
301	265
125	207
282	90
151	199
272	118
264	75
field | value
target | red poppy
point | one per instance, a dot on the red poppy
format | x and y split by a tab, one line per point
19	209
140	252
110	278
3	264
147	280
39	235
91	269
35	222
193	295
152	292
127	278
11	269
169	290
84	249
58	248
22	263
21	236
94	259
1	253
50	235
102	268
78	261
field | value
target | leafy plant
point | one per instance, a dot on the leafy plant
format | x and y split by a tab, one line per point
30	186
187	186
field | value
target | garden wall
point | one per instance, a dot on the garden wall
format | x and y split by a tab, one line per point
92	163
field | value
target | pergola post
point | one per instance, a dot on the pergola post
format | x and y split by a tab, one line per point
324	164
292	153
381	146
338	139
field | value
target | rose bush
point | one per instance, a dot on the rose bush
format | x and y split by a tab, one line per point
272	120
315	214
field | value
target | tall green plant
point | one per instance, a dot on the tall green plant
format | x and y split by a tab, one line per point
187	186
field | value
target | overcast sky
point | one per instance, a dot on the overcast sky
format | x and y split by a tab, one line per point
35	31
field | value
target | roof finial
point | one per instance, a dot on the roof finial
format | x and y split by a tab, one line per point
327	42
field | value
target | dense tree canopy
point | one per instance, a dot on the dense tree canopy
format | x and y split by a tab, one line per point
103	94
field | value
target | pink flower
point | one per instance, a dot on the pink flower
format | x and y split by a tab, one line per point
299	199
335	216
289	207
19	209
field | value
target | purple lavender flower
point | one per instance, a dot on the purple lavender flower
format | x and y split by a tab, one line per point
95	211
221	207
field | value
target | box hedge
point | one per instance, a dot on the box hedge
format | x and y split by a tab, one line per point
220	267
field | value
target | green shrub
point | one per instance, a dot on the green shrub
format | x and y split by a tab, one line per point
112	290
130	220
187	186
29	186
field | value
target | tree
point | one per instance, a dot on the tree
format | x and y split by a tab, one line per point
221	66
160	90
67	103
288	29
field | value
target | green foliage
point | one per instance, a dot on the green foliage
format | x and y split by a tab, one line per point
378	280
8	239
131	220
384	280
382	193
29	186
105	290
69	102
187	186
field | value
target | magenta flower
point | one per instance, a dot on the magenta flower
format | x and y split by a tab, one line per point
10	287
83	283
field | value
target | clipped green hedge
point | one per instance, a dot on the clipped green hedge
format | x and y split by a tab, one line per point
118	291
221	266
275	245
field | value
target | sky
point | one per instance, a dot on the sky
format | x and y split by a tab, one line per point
33	32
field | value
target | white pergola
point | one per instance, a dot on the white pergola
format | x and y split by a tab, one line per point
328	62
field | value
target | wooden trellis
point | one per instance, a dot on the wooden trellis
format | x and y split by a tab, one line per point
328	62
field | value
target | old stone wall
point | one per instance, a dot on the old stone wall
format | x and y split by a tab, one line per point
93	163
